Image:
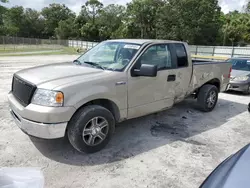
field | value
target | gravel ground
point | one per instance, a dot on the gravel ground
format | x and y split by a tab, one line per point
175	148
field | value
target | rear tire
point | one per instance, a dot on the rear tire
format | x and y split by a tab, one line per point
207	97
91	128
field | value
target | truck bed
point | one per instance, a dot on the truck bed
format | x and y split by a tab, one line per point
200	61
205	71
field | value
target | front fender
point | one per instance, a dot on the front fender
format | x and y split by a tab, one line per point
83	96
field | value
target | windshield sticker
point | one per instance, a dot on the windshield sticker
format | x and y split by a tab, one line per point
131	46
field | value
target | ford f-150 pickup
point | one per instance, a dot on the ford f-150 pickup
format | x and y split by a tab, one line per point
114	81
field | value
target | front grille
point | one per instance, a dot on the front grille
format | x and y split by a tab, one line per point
22	90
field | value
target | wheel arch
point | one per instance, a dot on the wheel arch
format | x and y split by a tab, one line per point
106	103
215	82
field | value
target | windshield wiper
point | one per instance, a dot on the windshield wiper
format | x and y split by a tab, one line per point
94	65
76	61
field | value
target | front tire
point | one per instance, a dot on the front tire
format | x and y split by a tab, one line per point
207	97
91	128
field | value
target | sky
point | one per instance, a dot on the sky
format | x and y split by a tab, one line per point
75	5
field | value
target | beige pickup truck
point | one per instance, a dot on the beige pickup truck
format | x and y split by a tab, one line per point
114	81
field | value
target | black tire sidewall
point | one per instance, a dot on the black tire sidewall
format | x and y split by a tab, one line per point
78	123
247	92
203	96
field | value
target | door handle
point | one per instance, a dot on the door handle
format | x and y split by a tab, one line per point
171	78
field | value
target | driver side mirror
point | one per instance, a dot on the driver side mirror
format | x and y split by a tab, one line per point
146	70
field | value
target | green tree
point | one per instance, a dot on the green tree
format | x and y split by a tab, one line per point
194	21
90	30
93	8
110	20
34	24
80	21
53	15
18	21
236	29
14	21
3	10
142	18
66	29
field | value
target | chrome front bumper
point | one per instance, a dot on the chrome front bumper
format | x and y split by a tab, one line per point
40	130
40	121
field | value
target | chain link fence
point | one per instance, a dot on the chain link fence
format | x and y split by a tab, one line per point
32	44
19	43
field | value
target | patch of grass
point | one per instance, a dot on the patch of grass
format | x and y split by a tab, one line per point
63	51
69	50
27	48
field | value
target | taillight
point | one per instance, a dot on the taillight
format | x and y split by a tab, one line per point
230	70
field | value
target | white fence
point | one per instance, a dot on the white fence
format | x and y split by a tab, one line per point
222	51
82	44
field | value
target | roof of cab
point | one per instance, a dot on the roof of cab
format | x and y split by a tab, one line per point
143	41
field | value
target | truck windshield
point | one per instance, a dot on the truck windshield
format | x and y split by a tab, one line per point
240	64
109	55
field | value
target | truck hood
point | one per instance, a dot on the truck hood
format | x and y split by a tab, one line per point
236	73
48	73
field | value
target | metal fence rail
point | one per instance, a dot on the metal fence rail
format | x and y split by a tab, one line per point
82	44
220	51
217	51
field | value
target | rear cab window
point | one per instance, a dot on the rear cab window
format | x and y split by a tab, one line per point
181	54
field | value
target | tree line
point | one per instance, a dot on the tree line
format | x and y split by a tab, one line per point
199	22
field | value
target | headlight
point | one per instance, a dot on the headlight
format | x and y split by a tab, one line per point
241	78
45	97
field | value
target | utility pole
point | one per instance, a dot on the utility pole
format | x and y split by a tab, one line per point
225	33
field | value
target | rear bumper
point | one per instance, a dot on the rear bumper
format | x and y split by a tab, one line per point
40	130
243	87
